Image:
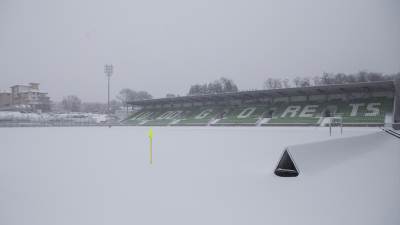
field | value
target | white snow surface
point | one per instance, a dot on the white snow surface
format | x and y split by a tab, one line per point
40	117
199	175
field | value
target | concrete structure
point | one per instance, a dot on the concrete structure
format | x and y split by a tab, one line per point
5	99
353	103
396	116
328	92
26	97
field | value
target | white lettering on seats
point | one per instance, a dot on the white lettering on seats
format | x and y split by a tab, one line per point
204	114
165	115
136	116
308	111
292	110
177	113
169	115
355	108
373	109
142	116
246	112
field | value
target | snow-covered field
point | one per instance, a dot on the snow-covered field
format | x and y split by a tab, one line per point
48	117
199	175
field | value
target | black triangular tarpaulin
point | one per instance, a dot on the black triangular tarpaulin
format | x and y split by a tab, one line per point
286	166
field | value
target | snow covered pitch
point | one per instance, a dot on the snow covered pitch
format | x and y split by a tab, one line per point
199	175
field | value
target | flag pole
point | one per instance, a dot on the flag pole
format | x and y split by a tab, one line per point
151	145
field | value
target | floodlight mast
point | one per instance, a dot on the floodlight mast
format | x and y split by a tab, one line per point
108	70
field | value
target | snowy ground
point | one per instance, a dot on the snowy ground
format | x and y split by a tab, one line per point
200	175
48	117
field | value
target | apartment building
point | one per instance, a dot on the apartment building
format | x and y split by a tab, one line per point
26	97
5	99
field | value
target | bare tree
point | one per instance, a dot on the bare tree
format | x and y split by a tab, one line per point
297	81
272	83
305	82
142	95
169	95
269	83
362	76
126	95
302	82
286	83
228	85
71	103
222	85
194	89
316	80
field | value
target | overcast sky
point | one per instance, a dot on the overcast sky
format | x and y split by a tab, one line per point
164	46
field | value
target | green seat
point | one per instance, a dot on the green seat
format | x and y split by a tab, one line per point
243	115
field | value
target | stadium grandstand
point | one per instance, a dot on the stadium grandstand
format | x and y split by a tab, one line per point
358	104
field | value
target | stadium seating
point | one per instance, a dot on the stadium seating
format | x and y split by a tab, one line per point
242	115
142	116
200	116
371	111
368	111
296	113
191	116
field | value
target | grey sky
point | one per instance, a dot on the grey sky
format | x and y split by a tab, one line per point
164	46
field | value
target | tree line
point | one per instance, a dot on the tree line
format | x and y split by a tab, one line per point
328	79
73	103
222	85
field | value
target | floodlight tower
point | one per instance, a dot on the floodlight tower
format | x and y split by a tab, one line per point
108	70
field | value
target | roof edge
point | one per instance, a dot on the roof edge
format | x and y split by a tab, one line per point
282	92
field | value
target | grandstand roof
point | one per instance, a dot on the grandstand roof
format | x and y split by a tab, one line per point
284	92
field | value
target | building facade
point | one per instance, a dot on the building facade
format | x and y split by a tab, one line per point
5	99
29	97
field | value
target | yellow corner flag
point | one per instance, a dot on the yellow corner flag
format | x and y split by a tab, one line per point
151	145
